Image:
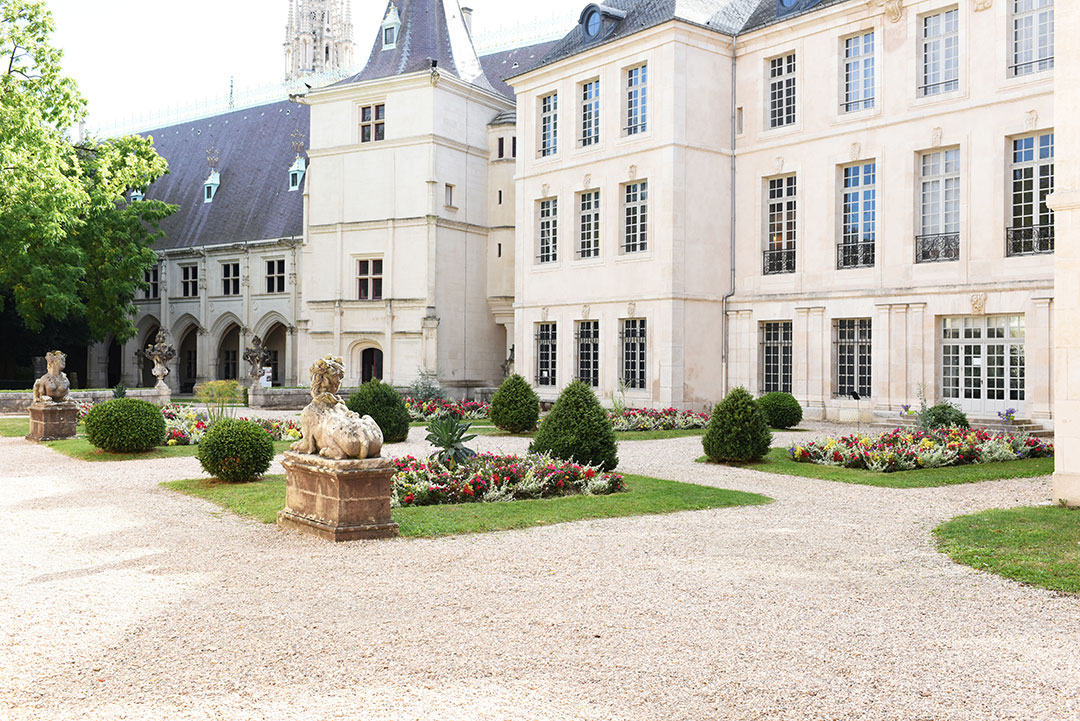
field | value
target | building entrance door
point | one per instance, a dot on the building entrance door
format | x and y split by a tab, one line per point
982	363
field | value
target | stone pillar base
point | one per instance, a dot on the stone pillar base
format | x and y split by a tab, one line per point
338	500
164	392
53	421
1067	489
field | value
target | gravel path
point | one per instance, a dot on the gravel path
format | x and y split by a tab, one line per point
123	600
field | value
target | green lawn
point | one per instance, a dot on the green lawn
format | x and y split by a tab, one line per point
1038	546
263	499
779	461
14	427
619	435
81	449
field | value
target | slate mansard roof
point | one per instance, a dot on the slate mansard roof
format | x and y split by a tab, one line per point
253	202
730	17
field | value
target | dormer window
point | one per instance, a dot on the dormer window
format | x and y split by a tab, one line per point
136	195
390	27
296	173
597	20
210	187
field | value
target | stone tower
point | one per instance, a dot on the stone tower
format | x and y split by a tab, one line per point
318	37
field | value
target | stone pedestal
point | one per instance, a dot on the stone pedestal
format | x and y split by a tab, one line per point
338	500
164	392
53	421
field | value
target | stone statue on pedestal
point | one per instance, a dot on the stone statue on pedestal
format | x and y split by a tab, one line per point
258	355
53	387
53	416
330	429
160	352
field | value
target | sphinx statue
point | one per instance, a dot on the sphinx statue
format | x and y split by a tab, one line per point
329	428
52	387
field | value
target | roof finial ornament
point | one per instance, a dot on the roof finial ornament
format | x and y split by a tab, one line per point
298	139
212	157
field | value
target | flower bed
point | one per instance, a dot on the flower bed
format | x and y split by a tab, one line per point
902	450
421	410
649	419
489	478
185	426
279	430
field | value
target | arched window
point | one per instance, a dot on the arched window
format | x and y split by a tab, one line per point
371	364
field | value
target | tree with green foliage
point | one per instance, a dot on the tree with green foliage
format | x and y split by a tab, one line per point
385	406
515	407
737	431
72	244
781	410
578	429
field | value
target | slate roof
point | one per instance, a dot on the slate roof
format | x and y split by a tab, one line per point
508	63
253	201
430	30
730	17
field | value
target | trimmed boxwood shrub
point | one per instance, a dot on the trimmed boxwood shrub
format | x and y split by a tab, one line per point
737	431
125	425
515	406
578	429
781	409
943	415
236	451
385	406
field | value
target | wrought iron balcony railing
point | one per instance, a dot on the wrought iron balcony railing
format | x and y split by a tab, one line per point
855	255
778	261
1032	240
937	248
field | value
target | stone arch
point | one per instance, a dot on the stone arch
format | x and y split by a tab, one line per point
267	321
222	325
365	361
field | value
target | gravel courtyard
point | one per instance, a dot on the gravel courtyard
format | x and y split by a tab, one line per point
121	600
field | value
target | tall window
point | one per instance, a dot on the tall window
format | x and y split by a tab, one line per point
632	341
588	352
189	281
546	352
636	216
369	279
637	96
782	91
230	279
1032	36
776	356
859	72
590	113
779	255
940	53
859	213
151	277
549	231
589	224
549	124
372	123
853	356
1032	228
502	147
229	364
275	276
939	236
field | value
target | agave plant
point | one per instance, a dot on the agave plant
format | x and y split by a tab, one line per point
448	435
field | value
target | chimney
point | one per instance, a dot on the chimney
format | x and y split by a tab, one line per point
466	13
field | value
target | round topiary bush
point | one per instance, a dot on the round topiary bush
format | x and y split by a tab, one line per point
943	415
781	409
578	429
125	425
385	406
515	406
236	451
737	431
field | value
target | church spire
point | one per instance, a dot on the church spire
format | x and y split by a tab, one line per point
319	38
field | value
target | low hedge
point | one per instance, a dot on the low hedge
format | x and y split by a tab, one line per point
236	451
125	425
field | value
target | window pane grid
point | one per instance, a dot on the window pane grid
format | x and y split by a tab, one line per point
369	280
782	209
853	357
549	124
939	237
1032	36
588	352
859	73
636	216
372	125
637	99
590	113
151	277
546	351
782	91
549	231
1032	228
189	281
632	343
589	225
859	216
275	276
230	279
940	53
776	356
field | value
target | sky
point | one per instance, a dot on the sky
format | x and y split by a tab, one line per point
134	57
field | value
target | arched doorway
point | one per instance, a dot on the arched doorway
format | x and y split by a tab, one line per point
147	379
189	360
275	344
371	364
229	354
113	368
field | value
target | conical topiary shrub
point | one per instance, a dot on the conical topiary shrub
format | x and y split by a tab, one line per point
385	406
515	407
737	431
578	429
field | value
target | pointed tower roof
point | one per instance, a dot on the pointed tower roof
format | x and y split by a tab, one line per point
429	30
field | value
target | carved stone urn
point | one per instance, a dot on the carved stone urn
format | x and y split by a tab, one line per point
336	485
53	416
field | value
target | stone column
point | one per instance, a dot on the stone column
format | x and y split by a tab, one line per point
918	334
881	351
1039	368
1066	205
898	358
800	355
